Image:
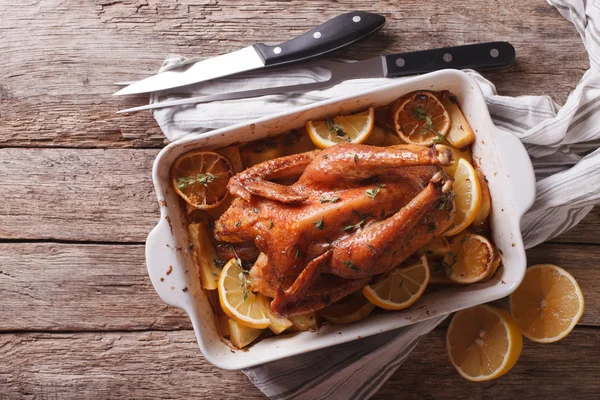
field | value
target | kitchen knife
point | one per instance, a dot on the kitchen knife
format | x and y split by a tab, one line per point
476	56
331	35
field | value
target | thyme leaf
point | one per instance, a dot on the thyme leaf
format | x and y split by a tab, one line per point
373	251
334	128
372	192
350	264
319	224
202	179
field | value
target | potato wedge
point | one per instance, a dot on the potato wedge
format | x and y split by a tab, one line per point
255	153
241	336
297	141
460	133
305	322
233	154
278	325
204	254
351	308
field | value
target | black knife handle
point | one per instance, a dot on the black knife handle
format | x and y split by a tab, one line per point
338	32
475	56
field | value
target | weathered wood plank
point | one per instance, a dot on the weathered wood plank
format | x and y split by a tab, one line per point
105	195
73	287
83	195
57	93
155	365
141	365
46	286
587	231
564	370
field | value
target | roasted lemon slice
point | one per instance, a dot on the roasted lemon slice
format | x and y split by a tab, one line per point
354	128
483	342
352	308
548	303
201	177
471	260
467	190
237	301
420	117
486	201
401	288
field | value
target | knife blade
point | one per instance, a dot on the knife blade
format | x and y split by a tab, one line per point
338	32
478	56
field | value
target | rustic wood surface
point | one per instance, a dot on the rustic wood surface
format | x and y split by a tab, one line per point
80	318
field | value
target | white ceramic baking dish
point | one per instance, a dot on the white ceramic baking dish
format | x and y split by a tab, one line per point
501	157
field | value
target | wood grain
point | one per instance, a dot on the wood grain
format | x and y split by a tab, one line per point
76	49
157	365
49	286
81	195
59	61
105	195
563	370
75	287
140	365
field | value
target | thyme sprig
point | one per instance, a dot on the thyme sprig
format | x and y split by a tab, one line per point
202	179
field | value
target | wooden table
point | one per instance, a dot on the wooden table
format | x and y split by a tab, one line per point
79	317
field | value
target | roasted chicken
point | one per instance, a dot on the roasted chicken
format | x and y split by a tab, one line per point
352	213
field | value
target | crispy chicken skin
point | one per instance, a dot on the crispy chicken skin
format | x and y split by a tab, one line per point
355	212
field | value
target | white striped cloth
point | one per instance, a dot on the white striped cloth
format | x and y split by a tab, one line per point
562	142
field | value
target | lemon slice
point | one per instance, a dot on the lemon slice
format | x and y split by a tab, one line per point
420	117
467	190
471	260
354	128
237	301
486	201
483	342
401	288
201	177
352	308
548	303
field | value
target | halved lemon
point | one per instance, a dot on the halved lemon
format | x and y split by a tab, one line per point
237	301
420	117
351	308
467	190
471	259
483	342
548	303
401	288
201	177
354	128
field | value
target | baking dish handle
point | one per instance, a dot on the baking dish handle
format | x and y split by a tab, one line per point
162	265
519	170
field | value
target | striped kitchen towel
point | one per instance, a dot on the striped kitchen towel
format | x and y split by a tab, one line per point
562	142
